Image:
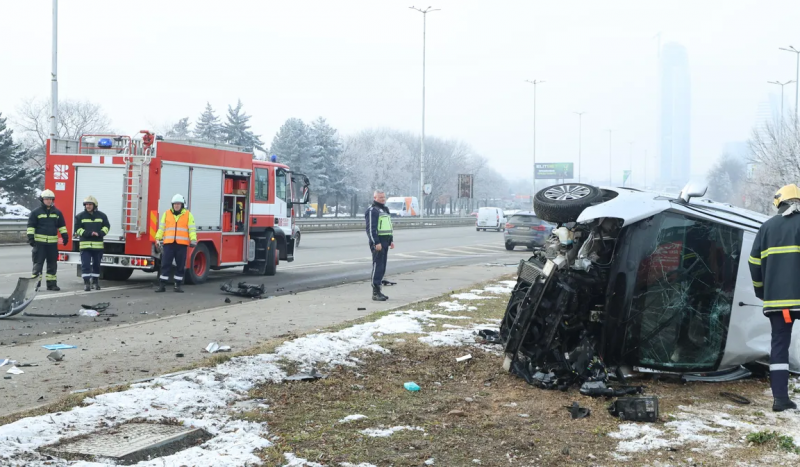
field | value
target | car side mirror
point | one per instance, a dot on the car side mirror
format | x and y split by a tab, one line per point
693	190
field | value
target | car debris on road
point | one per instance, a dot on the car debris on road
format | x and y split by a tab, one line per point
243	289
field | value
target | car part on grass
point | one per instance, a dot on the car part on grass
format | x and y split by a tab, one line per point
464	358
736	398
490	336
55	356
99	307
310	376
20	298
599	389
635	409
576	411
243	289
723	376
213	347
411	386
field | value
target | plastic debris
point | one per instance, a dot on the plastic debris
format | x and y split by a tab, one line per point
214	347
88	312
310	376
464	358
635	409
4	362
576	411
411	386
243	289
59	346
490	336
55	356
14	371
99	307
728	395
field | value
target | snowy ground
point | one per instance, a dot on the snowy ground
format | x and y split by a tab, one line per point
12	211
206	398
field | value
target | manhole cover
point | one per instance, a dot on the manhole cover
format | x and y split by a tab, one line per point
129	443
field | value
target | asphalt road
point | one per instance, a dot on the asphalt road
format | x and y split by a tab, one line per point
323	260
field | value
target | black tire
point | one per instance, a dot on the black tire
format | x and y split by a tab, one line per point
297	240
565	202
509	246
199	265
115	274
271	266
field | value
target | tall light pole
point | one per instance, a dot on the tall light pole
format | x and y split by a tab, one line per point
796	78
645	169
610	177
422	138
781	85
580	131
534	83
54	80
630	166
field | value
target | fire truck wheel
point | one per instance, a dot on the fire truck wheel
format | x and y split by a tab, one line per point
272	256
116	274
297	240
199	264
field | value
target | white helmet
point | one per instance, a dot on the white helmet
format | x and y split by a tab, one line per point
48	194
178	199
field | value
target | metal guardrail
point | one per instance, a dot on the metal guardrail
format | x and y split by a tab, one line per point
13	225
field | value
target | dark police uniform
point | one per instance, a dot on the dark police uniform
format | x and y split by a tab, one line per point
379	231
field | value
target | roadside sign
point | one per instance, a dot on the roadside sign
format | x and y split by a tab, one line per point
554	171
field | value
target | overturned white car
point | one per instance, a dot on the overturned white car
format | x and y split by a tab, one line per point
634	279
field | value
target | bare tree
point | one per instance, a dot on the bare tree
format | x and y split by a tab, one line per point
75	118
774	162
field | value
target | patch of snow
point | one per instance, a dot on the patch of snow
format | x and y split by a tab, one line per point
452	337
499	289
472	308
386	432
352	418
469	296
639	438
430	461
452	306
435	316
363	464
294	461
12	211
451	326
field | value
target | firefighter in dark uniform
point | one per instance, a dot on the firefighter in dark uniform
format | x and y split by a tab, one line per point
379	232
45	225
774	266
91	226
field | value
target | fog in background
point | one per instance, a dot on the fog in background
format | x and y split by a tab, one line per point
359	64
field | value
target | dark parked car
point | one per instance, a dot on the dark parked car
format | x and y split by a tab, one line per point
525	229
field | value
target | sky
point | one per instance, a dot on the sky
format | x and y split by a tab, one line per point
359	65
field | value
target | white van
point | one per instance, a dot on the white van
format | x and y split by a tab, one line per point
403	206
490	218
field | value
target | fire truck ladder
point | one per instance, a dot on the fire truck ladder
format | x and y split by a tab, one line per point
137	171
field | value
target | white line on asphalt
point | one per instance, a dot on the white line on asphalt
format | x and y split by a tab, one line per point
81	292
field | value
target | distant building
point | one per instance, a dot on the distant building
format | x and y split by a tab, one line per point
769	111
675	123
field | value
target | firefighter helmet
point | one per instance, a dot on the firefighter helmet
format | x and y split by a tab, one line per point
90	199
178	199
48	194
786	193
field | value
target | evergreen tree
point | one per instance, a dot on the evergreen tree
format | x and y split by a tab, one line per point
292	144
18	179
327	170
180	129
237	131
208	127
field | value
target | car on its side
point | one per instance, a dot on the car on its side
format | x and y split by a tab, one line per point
525	229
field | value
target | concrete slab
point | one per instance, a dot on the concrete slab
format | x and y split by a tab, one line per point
144	349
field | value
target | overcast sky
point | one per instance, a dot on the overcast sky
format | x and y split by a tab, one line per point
359	64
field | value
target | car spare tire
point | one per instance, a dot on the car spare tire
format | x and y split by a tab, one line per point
565	202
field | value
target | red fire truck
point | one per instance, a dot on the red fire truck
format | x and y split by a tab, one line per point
243	207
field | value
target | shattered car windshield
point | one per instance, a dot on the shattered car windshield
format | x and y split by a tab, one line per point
682	295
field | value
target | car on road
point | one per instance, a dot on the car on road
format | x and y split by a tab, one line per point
645	280
490	218
309	211
525	229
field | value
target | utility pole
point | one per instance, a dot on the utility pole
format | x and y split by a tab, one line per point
54	81
610	177
534	83
422	138
580	132
630	167
781	85
796	78
645	169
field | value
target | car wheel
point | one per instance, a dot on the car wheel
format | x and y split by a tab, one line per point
509	246
565	202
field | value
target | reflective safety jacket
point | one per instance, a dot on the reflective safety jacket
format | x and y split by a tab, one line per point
379	224
177	227
87	223
775	264
45	224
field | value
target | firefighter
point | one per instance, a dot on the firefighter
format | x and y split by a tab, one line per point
45	224
774	267
91	226
379	232
176	233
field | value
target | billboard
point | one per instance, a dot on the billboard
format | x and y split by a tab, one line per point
554	171
465	185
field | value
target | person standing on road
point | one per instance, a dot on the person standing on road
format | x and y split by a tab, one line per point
91	226
774	267
381	239
176	233
45	224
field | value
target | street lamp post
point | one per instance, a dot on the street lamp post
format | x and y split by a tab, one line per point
580	131
781	85
610	177
54	81
534	83
630	166
796	78
422	138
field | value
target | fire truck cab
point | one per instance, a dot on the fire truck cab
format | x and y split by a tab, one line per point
243	207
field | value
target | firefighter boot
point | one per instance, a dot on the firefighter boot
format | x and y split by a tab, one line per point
377	295
162	286
52	285
86	286
783	403
96	283
178	288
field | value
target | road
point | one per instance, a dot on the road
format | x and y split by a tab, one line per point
323	260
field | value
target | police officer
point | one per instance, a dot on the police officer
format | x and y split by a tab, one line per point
91	226
379	232
45	224
774	266
176	233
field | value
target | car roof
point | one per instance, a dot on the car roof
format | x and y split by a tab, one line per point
632	205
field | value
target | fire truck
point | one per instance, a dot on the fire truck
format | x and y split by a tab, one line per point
243	207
